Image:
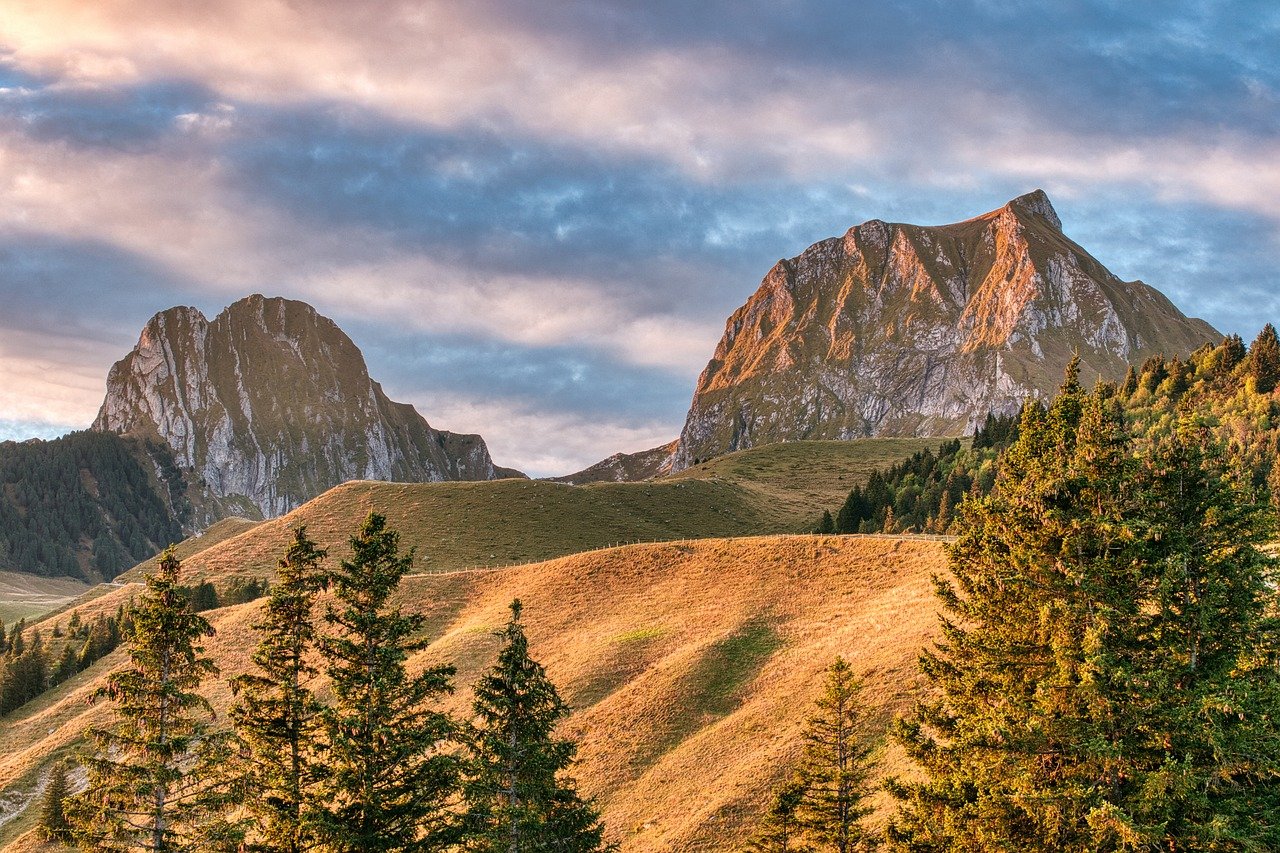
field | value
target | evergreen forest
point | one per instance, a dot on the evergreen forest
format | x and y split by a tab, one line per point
88	505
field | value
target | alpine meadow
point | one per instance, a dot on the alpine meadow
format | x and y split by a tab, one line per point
607	427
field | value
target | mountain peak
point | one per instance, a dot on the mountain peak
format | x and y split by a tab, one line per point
904	330
1036	203
270	403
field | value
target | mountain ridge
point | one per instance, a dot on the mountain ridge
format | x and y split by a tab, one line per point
269	404
900	329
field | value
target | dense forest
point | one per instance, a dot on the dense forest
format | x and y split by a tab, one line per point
1226	390
88	505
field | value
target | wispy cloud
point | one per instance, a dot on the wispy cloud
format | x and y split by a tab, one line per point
573	195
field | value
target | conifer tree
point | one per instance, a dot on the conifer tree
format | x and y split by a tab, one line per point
386	781
827	525
518	798
779	832
155	780
890	524
277	716
1084	705
1263	361
836	766
54	825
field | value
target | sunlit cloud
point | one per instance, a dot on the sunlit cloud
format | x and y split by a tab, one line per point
576	194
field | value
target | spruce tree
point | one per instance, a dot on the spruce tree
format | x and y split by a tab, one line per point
155	780
518	798
54	825
387	781
836	766
1077	710
779	832
1263	361
277	716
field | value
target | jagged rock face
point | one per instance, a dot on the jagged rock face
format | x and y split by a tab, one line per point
272	403
625	467
904	330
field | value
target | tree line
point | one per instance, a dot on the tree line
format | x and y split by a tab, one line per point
1228	386
1108	677
373	766
28	667
88	505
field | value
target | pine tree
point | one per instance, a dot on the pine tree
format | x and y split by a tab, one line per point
827	525
387	782
277	716
1263	361
779	832
54	825
1130	384
155	780
942	522
890	524
836	766
518	798
1078	711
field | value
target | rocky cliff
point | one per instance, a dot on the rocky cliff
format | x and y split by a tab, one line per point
271	404
625	467
907	330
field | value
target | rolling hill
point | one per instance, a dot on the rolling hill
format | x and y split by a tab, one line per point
690	666
776	489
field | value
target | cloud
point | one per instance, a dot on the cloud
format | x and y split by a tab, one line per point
544	442
552	207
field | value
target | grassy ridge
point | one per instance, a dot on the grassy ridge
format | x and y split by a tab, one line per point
782	488
691	666
24	596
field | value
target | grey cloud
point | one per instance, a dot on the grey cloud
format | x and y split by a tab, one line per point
83	288
1088	65
122	118
543	379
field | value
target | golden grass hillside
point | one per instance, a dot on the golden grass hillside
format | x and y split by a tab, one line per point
216	534
25	596
691	666
772	490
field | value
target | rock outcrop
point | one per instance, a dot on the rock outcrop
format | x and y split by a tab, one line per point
625	467
907	330
271	404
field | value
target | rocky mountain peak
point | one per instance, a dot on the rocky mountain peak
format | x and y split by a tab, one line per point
1036	203
269	404
899	329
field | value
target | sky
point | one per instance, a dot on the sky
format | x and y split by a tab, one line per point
535	217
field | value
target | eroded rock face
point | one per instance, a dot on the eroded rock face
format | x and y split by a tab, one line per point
272	403
625	467
906	330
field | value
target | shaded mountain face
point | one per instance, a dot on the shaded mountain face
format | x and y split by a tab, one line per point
625	467
271	404
904	330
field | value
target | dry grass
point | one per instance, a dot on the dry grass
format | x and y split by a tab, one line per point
805	477
24	596
691	664
220	532
778	489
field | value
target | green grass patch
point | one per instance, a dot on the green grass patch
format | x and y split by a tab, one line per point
713	687
628	655
641	635
777	489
